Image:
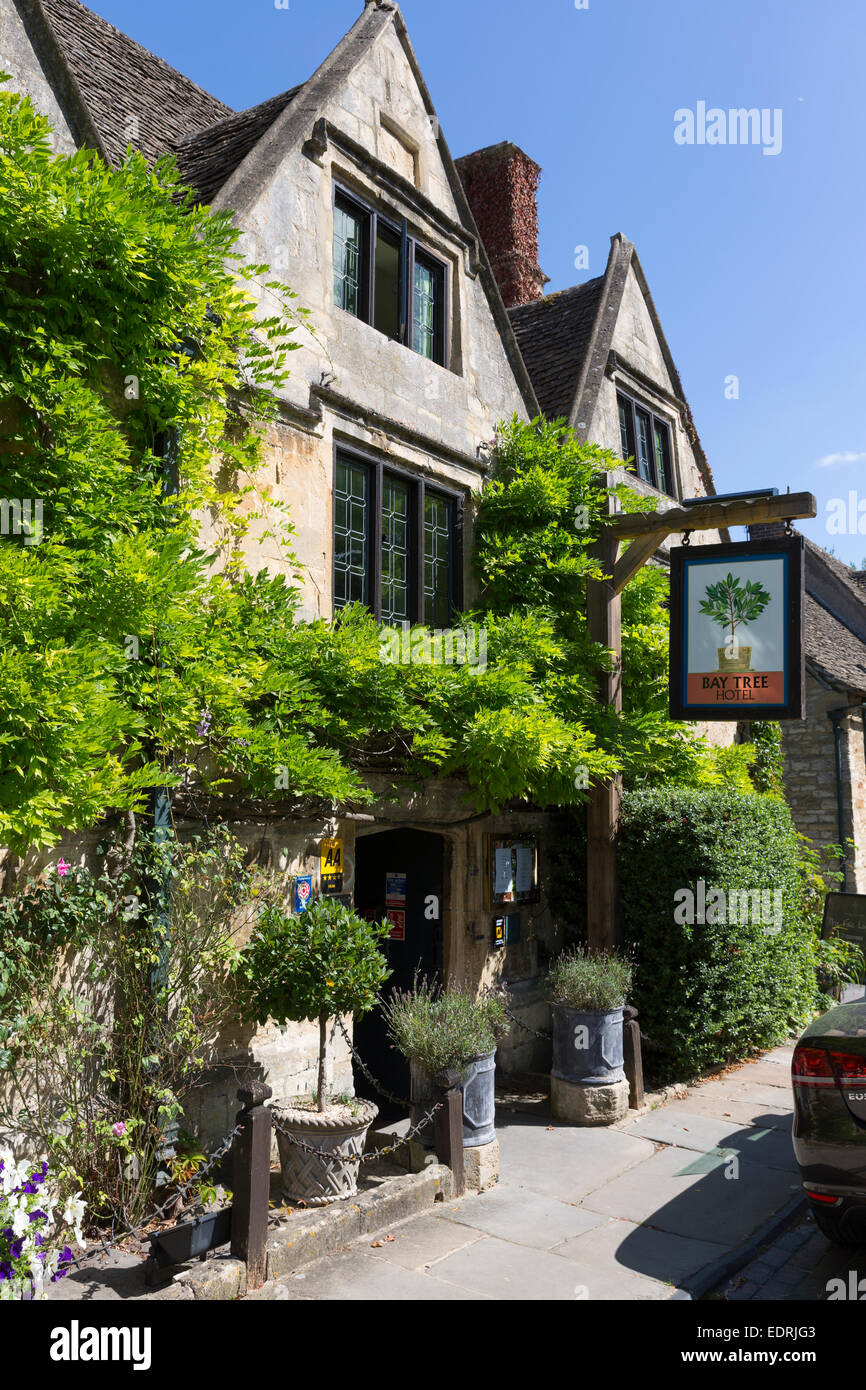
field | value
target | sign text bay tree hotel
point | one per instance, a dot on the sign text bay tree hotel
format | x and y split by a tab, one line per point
422	279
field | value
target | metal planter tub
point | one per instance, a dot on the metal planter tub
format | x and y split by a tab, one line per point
479	1105
587	1046
330	1173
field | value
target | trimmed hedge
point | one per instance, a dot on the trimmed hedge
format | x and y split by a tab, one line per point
712	992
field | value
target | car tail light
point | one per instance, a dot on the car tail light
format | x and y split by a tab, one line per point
850	1070
811	1067
825	1197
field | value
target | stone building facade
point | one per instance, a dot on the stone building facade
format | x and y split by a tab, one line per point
424	339
825	754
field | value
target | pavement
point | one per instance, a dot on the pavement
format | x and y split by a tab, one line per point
670	1203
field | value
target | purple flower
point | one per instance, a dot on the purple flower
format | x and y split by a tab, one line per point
37	1214
119	1129
204	724
63	868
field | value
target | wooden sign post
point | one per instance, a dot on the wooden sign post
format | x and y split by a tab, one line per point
645	531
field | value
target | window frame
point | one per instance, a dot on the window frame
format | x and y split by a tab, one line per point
370	218
655	421
419	487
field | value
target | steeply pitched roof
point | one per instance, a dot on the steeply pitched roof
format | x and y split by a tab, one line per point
566	341
206	160
228	156
833	649
554	335
834	626
120	81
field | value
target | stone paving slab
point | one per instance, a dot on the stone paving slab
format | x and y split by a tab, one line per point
419	1244
359	1275
564	1161
659	1193
751	1104
639	1250
498	1269
704	1133
524	1217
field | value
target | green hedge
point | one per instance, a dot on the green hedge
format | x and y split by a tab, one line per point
712	992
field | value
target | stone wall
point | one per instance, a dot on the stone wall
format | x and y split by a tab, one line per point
18	58
810	775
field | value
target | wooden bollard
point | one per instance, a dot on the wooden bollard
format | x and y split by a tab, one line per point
449	1128
252	1182
632	1060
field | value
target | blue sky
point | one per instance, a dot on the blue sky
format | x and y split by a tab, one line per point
754	260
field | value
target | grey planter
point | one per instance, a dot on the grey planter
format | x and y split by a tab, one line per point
587	1046
314	1179
479	1107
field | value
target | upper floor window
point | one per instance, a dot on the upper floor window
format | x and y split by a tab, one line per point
395	544
385	277
646	438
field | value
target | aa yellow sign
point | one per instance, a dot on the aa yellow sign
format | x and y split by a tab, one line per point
331	866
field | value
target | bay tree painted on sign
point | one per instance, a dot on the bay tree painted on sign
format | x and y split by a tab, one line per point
736	644
731	604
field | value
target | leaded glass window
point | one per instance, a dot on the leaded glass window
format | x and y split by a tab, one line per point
662	462
642	456
437	561
385	277
395	550
424	311
348	259
351	534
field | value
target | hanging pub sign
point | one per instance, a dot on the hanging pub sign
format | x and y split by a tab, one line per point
736	645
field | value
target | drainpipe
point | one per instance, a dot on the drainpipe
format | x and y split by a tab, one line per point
837	715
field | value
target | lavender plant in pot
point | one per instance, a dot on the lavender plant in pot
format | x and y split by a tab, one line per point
318	965
587	992
449	1029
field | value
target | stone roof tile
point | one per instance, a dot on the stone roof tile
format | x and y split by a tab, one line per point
122	82
554	335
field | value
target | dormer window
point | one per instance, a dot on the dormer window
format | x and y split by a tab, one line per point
646	438
388	279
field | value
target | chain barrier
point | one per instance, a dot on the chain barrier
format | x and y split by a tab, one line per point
492	993
370	1157
377	1085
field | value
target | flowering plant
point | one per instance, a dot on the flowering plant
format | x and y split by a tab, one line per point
35	1223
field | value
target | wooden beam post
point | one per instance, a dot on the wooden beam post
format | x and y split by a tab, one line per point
604	622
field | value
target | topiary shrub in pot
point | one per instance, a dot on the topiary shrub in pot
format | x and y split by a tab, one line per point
587	991
449	1029
317	965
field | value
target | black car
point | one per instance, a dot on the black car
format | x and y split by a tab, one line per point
829	1079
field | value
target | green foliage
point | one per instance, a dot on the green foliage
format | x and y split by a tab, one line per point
320	964
109	1009
711	992
768	768
731	604
324	961
595	981
537	520
133	365
444	1029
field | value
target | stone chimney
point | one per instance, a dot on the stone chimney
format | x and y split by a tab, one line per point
501	184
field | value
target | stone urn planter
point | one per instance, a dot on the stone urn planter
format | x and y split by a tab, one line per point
477	1082
338	1135
728	662
587	1045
